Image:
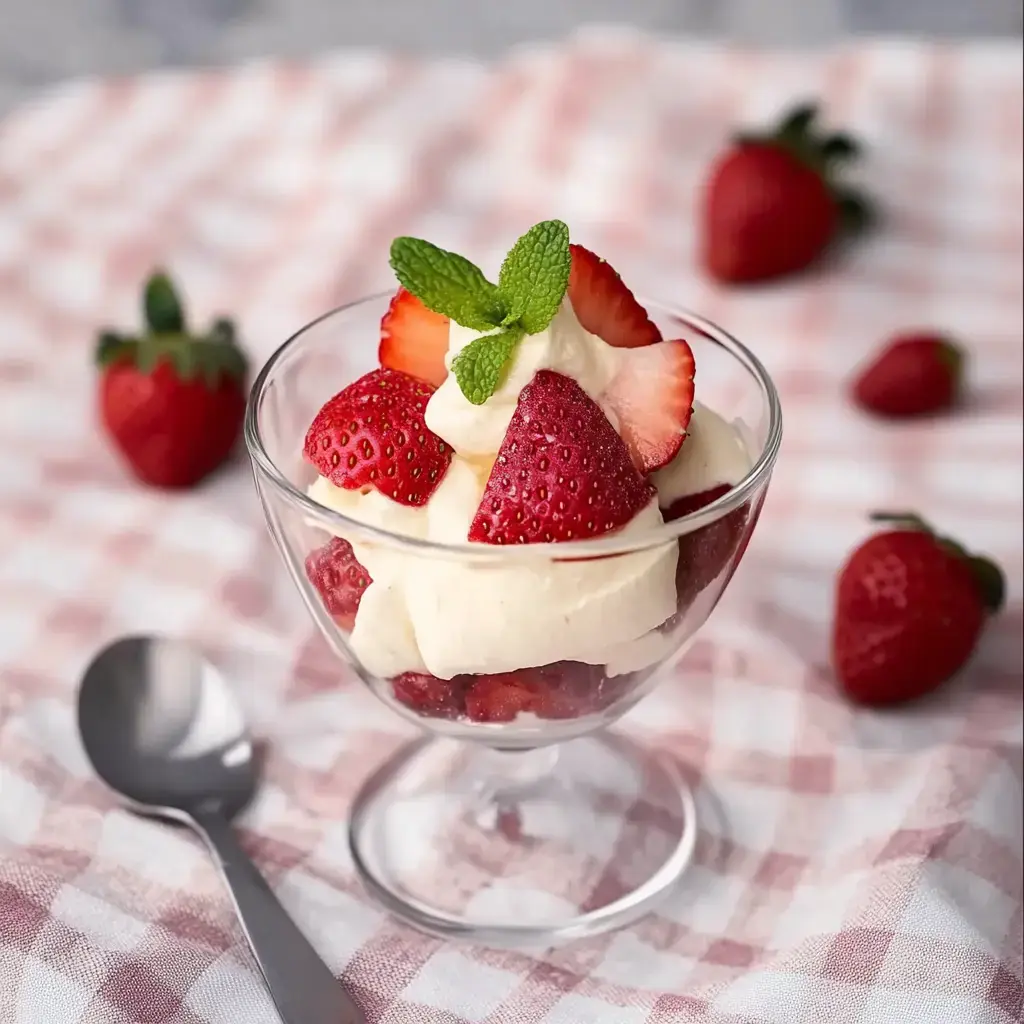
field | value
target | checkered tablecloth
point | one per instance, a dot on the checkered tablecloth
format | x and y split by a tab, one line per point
853	867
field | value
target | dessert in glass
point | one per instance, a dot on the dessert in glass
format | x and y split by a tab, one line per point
505	510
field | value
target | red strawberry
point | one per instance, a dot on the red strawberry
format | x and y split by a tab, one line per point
772	203
172	402
571	689
339	579
499	698
914	374
705	552
909	609
604	305
372	434
562	472
414	339
427	695
652	398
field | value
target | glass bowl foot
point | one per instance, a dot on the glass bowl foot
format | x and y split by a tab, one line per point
522	848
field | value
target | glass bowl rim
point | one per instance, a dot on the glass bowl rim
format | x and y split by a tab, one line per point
353	529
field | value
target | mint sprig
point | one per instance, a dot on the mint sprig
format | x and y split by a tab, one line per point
530	288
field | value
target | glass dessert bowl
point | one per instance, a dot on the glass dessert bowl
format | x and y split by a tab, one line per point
516	820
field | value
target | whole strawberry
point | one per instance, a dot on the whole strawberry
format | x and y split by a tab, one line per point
172	402
913	375
773	202
910	607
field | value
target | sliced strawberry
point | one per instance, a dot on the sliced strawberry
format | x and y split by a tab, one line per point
562	472
427	695
652	398
372	434
414	339
339	579
499	698
604	305
705	553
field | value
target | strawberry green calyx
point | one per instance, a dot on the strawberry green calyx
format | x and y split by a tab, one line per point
953	358
990	580
988	577
161	307
901	520
531	285
826	154
210	357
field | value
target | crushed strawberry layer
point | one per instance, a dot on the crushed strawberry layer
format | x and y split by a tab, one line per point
564	690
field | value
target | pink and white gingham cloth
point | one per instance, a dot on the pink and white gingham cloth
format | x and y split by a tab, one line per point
853	867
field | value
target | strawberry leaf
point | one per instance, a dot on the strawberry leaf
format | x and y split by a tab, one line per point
480	366
839	146
990	580
797	122
447	283
535	275
857	213
162	307
111	346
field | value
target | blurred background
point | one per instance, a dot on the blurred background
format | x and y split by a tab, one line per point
55	39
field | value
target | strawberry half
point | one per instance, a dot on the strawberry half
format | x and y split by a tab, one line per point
372	434
652	398
705	553
604	305
562	472
414	339
339	580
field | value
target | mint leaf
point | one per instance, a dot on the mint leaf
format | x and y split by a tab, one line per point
480	366
535	275
161	306
447	283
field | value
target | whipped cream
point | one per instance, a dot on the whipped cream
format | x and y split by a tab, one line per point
431	613
713	453
425	612
563	346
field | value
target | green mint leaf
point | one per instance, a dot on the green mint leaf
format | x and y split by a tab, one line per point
447	283
535	275
480	366
161	305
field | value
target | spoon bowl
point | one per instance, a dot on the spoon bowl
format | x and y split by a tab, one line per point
161	727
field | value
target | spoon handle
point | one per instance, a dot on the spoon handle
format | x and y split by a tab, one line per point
300	983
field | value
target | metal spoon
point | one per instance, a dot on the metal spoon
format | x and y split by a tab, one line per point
162	728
